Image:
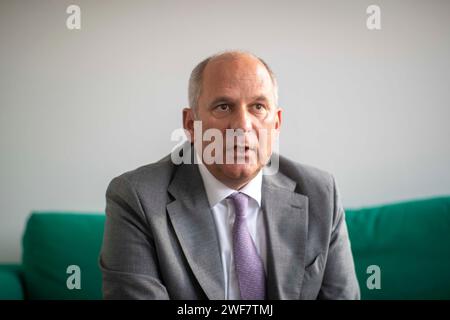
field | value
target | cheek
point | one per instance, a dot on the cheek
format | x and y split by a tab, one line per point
267	128
213	123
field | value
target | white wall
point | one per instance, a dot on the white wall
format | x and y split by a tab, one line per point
80	107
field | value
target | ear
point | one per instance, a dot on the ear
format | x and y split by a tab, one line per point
278	114
188	123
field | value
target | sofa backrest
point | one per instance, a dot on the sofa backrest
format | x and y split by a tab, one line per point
54	241
408	241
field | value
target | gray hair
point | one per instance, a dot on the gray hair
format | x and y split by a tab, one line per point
195	80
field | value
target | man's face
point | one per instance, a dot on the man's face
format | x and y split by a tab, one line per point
238	94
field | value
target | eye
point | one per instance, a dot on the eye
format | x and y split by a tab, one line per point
259	107
223	107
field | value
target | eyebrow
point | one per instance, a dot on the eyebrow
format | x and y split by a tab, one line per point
220	100
260	98
227	99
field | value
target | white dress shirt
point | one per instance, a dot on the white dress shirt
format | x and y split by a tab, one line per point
223	213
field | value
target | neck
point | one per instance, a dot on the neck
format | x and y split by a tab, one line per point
233	183
236	185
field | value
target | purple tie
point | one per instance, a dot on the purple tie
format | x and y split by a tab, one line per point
249	265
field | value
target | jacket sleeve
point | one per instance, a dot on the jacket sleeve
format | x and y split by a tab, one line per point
339	281
128	259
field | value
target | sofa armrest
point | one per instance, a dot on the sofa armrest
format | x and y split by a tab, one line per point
11	287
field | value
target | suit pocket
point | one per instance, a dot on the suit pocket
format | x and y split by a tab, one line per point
312	279
315	266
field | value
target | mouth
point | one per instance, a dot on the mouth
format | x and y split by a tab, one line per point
237	154
243	148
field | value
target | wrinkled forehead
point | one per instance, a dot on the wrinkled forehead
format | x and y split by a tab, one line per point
243	74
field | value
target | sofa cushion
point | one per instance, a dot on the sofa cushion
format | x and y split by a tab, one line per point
54	241
410	242
11	284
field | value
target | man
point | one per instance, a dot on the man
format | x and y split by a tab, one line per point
217	229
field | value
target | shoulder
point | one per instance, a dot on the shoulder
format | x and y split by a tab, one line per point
309	179
152	177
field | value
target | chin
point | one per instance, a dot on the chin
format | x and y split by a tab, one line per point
240	171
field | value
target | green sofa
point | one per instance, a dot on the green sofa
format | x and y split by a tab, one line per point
408	241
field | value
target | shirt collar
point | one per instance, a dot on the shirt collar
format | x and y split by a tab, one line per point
216	191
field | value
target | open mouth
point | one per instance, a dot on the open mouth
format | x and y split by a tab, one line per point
243	148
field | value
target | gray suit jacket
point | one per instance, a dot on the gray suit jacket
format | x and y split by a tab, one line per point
160	240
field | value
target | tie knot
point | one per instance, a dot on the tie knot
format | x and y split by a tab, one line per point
240	202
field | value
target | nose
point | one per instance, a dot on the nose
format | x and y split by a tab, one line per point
241	119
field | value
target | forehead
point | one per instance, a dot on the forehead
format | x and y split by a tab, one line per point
236	75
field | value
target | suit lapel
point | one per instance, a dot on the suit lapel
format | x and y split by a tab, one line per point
195	228
286	218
